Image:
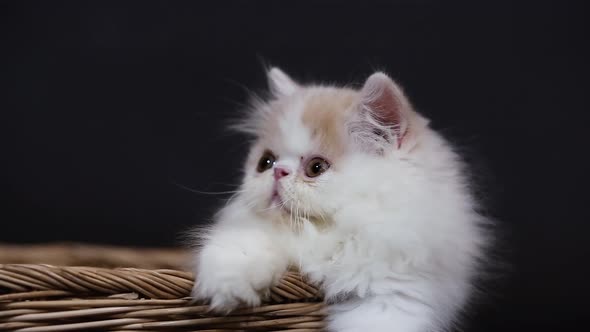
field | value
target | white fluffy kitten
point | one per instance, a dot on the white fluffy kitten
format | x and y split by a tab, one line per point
353	188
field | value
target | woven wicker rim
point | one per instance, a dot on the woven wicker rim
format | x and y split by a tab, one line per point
38	297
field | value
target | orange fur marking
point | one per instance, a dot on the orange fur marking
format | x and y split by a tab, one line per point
326	113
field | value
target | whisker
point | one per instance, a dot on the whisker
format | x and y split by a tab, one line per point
207	192
250	204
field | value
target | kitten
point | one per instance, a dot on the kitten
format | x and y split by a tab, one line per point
357	191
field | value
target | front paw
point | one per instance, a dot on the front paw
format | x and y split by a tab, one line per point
225	293
231	278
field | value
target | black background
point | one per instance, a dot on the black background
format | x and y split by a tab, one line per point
109	108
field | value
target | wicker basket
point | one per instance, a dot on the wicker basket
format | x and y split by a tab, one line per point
41	297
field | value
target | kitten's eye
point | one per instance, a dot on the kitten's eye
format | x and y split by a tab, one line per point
266	161
316	167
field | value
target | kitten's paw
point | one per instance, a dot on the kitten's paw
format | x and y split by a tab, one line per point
229	279
227	294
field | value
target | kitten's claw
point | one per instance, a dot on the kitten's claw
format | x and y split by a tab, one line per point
226	295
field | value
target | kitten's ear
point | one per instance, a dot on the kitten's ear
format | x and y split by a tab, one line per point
384	111
280	84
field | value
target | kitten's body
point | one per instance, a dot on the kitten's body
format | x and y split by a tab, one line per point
389	230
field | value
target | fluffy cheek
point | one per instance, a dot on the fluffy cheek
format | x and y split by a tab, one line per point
257	189
310	197
331	193
359	180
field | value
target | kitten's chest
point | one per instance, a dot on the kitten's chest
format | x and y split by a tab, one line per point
325	250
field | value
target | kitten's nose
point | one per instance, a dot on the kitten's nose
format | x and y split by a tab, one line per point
280	172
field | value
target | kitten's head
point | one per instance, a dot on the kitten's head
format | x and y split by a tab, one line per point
313	144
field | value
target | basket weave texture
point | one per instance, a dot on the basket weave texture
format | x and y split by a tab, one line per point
41	297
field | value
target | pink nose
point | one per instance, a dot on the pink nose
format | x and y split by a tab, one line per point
280	172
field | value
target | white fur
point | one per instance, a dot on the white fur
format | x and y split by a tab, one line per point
393	239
